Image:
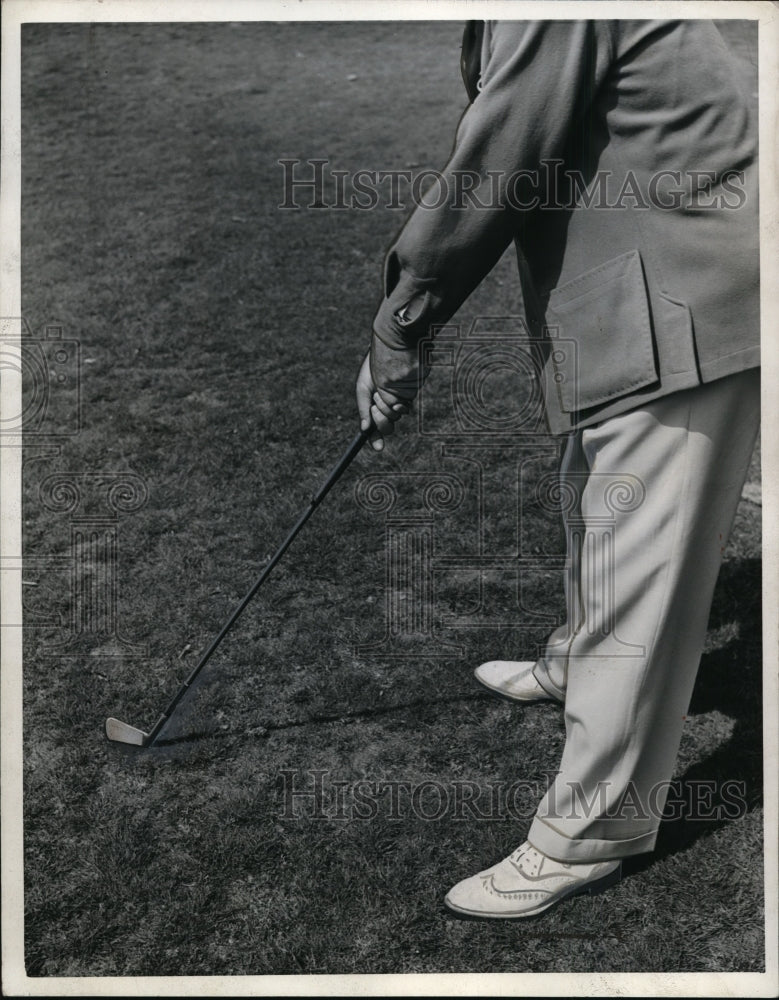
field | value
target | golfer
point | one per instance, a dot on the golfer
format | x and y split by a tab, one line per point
620	158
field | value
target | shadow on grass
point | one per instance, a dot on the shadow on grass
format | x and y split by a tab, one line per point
325	717
730	682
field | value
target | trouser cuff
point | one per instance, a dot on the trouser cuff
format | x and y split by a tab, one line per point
557	845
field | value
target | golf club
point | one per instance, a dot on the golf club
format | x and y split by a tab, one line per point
121	732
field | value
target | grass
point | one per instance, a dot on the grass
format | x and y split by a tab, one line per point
219	340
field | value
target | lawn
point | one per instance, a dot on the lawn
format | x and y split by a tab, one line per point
306	809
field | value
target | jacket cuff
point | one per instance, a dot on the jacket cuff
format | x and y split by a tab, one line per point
410	305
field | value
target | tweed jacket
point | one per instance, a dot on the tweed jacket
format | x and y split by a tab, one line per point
620	157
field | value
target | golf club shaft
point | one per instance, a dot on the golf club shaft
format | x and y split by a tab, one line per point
318	497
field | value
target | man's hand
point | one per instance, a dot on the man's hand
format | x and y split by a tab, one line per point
386	386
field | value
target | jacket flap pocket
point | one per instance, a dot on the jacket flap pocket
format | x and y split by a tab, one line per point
605	348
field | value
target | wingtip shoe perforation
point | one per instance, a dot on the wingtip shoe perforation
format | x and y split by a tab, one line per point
526	883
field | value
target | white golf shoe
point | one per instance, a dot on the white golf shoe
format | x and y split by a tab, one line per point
526	883
512	679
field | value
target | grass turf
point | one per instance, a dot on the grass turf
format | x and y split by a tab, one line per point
219	340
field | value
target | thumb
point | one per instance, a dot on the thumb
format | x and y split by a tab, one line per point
364	392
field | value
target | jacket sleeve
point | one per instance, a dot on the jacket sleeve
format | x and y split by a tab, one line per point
538	79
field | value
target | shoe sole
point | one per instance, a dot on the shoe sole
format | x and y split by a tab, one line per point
590	889
511	697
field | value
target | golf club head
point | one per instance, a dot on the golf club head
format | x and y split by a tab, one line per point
120	732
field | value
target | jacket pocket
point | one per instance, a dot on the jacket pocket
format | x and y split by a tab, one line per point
604	347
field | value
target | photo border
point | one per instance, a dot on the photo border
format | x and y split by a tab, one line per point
15	981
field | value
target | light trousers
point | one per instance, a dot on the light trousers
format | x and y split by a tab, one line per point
649	499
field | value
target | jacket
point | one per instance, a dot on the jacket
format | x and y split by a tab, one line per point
620	157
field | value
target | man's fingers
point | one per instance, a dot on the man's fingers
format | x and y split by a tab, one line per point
365	417
364	391
384	425
364	409
393	410
392	398
384	391
378	403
